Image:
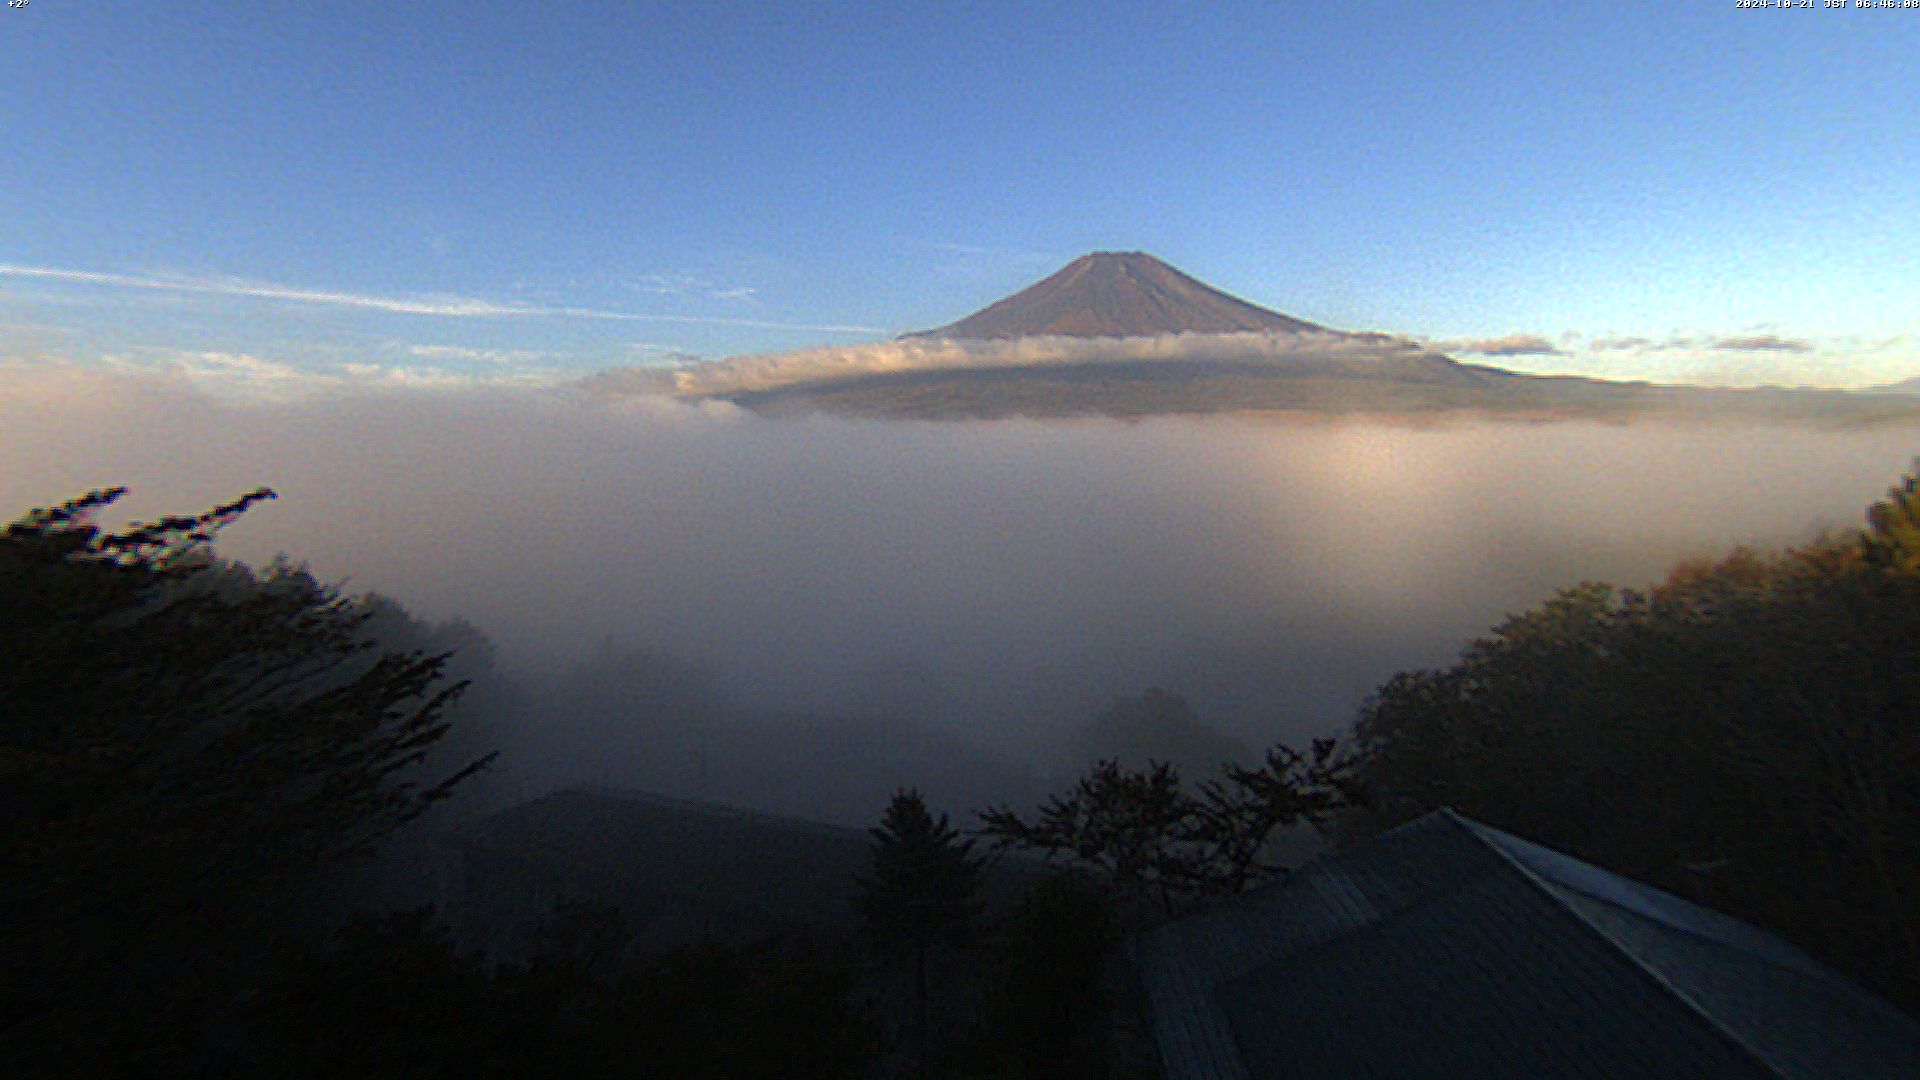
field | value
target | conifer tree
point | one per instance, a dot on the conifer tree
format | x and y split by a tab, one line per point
920	895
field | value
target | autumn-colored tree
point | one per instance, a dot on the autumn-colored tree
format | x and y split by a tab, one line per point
1744	732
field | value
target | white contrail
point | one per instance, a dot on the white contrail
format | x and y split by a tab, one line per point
449	306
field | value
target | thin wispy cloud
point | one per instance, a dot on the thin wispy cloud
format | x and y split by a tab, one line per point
1618	344
478	356
671	353
242	377
403	377
251	375
49	328
971	252
1760	343
674	285
1507	345
448	306
459	306
1757	341
1756	355
679	284
704	320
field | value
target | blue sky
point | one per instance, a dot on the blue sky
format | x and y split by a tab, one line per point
1675	191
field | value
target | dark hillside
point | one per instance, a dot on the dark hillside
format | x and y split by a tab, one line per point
679	871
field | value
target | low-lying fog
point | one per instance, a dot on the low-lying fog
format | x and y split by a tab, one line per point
804	614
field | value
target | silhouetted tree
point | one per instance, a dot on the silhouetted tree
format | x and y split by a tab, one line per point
384	996
589	937
1240	813
1133	827
391	997
718	1012
1162	843
920	895
176	735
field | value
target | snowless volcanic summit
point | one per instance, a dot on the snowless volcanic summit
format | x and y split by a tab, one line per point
1117	294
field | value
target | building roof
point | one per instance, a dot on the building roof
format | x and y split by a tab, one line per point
1446	948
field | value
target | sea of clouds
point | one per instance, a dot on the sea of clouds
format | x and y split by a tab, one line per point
994	581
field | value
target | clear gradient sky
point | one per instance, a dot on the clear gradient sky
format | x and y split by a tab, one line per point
1678	190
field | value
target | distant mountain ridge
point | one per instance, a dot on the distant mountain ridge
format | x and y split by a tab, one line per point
1904	386
1117	294
1420	387
680	871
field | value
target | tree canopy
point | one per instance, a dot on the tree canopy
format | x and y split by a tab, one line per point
1048	1003
922	889
1744	732
1165	844
921	895
178	733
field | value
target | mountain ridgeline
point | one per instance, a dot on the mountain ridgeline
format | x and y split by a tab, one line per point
1126	335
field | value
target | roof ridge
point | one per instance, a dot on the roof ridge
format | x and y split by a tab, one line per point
1819	973
1804	963
1540	883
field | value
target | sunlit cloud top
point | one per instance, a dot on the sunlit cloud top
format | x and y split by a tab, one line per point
764	371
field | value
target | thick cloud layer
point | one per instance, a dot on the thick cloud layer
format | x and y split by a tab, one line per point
994	583
765	371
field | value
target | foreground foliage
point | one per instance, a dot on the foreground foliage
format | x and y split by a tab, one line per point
178	737
390	997
1047	1007
1747	732
1160	843
921	895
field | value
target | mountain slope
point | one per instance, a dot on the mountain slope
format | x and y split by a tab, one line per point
1409	387
679	870
1117	294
